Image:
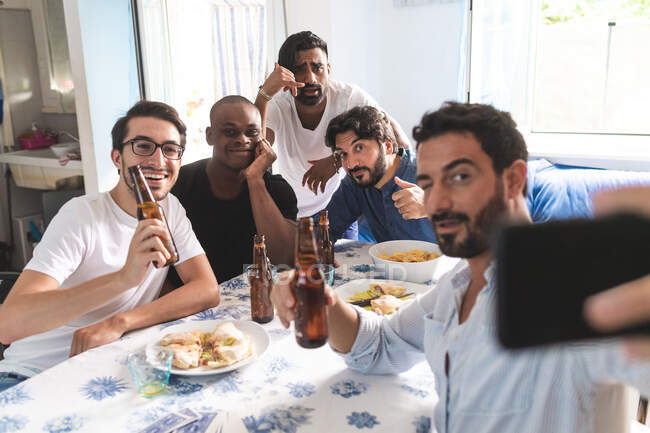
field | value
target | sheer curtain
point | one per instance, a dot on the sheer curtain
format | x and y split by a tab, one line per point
196	53
502	34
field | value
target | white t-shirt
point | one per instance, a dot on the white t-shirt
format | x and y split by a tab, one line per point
296	145
89	237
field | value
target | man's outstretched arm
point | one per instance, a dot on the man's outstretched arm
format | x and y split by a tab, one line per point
36	303
199	292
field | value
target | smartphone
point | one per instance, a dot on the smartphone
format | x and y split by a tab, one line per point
544	273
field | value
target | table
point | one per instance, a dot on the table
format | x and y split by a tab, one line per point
289	389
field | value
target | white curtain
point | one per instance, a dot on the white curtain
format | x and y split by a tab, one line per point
501	39
194	53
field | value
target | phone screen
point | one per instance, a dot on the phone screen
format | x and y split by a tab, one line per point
546	271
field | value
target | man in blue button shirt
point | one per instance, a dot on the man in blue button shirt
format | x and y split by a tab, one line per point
379	183
472	169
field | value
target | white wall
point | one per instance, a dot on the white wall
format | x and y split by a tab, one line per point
406	58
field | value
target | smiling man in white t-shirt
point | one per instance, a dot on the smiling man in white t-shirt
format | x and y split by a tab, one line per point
297	119
94	276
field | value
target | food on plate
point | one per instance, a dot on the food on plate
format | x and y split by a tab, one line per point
219	348
185	356
411	256
385	304
380	298
182	338
376	290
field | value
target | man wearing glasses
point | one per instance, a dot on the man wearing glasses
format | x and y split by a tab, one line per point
92	277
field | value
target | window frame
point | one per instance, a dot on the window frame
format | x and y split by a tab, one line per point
599	150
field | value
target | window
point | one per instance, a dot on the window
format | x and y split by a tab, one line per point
195	54
573	73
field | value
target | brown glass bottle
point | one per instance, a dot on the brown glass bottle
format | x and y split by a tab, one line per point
324	245
148	209
260	279
309	290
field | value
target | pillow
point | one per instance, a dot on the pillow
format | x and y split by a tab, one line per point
563	191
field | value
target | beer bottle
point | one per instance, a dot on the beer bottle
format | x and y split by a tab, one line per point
261	281
325	248
148	209
309	290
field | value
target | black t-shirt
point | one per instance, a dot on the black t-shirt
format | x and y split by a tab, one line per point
225	228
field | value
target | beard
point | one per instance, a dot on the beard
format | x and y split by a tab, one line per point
375	174
478	232
310	100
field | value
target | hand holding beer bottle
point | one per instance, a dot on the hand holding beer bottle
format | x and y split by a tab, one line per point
149	209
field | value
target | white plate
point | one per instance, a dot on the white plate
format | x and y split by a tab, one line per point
350	288
258	335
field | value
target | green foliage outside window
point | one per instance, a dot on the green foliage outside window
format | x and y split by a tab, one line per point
561	11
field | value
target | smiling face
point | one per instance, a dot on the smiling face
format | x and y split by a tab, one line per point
234	134
363	158
311	68
161	173
464	197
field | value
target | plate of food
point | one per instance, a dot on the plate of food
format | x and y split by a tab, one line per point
212	346
380	296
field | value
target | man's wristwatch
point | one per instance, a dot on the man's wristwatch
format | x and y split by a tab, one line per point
264	95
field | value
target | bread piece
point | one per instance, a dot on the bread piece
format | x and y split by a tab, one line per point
226	355
182	338
386	304
389	289
186	356
225	331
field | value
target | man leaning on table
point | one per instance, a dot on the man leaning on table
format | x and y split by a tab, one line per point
231	196
472	168
92	277
297	118
380	183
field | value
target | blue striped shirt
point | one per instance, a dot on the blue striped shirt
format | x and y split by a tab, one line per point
490	389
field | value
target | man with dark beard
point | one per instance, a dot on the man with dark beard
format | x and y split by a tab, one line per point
296	121
472	169
379	185
94	276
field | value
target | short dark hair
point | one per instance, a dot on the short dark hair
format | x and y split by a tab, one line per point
365	121
159	110
495	130
230	99
298	42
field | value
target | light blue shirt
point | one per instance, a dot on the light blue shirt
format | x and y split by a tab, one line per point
490	389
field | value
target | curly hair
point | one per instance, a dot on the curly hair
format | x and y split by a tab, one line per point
365	121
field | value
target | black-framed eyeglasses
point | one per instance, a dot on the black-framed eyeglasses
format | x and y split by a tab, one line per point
145	147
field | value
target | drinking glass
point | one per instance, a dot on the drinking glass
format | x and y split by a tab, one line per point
150	370
328	273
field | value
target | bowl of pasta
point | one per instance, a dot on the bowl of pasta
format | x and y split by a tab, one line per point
405	260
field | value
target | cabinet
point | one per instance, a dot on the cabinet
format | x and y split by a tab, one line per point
53	55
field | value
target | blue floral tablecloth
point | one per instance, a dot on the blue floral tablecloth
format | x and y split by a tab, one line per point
288	390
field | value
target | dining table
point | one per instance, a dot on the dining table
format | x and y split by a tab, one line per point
286	389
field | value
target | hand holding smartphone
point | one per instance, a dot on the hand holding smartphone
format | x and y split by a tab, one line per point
546	271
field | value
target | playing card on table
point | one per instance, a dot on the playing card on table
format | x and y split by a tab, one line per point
189	413
209	422
167	424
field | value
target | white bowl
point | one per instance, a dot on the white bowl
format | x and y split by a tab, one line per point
418	272
60	149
